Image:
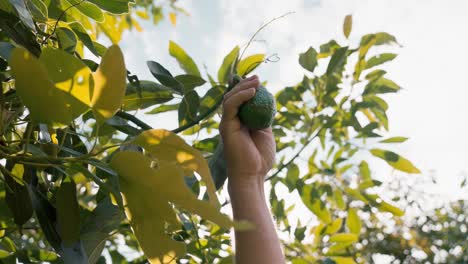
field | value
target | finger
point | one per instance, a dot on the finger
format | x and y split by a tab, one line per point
252	83
231	105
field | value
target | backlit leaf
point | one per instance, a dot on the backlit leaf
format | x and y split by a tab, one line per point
45	102
334	226
109	84
86	8
173	18
343	260
167	146
312	201
395	160
71	76
211	98
185	61
226	67
364	171
162	109
249	64
148	190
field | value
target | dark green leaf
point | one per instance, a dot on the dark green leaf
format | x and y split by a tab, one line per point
381	85
337	61
5	50
67	39
165	77
17	197
38	10
68	215
23	13
190	81
188	108
82	35
151	93
328	48
308	60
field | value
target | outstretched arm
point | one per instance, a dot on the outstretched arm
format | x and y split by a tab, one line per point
249	156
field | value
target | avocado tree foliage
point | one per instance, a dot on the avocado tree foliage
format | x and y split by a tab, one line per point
82	175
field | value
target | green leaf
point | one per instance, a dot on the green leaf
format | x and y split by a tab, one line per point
292	176
109	84
308	59
380	59
353	222
188	108
23	13
394	140
380	86
67	39
347	25
395	160
86	8
226	68
114	6
213	97
337	61
185	61
162	109
151	93
190	82
343	260
384	38
311	199
38	10
327	49
249	64
68	214
288	94
82	35
364	171
217	165
165	77
344	238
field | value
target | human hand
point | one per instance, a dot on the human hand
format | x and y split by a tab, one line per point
249	154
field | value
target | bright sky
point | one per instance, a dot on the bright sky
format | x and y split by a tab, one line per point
431	67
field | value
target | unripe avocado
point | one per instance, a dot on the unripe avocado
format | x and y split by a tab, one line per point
258	112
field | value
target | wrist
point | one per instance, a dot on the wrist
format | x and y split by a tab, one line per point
245	185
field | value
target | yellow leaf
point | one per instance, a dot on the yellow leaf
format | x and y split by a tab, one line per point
149	191
353	221
173	18
45	102
109	84
168	147
344	238
334	226
249	64
347	25
343	260
71	76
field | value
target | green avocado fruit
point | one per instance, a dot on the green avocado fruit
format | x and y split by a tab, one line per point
259	111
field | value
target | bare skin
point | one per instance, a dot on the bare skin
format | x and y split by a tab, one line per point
249	155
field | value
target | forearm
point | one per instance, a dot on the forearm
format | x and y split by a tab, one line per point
261	244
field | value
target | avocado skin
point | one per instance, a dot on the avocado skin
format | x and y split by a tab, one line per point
258	112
